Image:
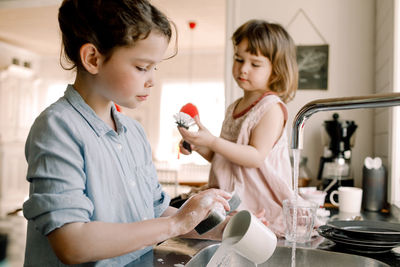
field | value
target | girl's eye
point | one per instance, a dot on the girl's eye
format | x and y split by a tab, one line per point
238	60
255	65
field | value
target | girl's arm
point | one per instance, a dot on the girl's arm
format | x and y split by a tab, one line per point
262	139
80	242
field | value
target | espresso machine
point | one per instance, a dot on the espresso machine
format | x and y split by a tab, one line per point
334	168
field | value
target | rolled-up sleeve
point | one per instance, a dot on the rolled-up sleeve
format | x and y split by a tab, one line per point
56	175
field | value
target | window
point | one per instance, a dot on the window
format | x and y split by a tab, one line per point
209	99
54	92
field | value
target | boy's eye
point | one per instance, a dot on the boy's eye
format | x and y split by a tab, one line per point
255	65
238	59
141	68
147	68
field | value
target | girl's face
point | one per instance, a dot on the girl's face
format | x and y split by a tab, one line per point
251	72
128	75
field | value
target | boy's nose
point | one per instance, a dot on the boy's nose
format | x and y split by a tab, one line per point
150	80
149	83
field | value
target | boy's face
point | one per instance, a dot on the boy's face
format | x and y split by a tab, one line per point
128	75
251	72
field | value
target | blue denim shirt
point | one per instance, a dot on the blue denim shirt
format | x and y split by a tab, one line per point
81	170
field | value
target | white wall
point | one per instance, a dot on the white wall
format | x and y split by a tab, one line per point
348	27
386	128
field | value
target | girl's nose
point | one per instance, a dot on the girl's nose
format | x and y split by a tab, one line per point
244	69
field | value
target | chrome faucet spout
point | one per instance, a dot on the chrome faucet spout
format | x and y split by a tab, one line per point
328	104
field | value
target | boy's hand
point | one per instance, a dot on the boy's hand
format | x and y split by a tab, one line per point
197	208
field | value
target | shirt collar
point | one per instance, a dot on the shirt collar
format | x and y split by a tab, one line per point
97	124
119	120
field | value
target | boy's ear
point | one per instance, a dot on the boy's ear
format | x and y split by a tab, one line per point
90	58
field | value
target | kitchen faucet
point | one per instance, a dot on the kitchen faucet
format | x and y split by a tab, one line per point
354	102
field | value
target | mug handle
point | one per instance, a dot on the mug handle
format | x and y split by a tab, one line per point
331	198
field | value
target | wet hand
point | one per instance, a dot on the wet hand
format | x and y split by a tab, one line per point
197	208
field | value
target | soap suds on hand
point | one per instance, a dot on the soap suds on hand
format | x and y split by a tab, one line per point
206	201
219	208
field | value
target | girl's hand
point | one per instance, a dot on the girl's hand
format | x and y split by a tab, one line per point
197	208
183	150
202	137
261	215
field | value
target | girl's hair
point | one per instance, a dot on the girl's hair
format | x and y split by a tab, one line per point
107	24
272	41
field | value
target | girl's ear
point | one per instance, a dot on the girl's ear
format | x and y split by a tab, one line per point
90	58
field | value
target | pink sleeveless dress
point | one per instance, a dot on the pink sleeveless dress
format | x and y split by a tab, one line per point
258	188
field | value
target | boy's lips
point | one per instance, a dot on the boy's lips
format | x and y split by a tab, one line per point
142	97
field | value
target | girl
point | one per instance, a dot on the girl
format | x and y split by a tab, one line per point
251	156
94	195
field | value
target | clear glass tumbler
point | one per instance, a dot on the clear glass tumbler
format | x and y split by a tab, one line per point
305	218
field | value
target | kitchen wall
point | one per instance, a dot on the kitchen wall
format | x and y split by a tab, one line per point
348	28
384	74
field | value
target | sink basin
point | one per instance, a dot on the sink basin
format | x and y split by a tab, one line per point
197	253
282	257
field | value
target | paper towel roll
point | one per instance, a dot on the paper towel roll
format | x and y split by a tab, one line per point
372	163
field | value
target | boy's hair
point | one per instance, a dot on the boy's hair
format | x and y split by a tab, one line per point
272	41
107	24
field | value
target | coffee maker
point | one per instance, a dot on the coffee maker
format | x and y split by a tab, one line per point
334	168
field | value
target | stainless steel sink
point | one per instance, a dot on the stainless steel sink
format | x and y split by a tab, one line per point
282	257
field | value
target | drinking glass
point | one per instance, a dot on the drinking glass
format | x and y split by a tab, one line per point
305	218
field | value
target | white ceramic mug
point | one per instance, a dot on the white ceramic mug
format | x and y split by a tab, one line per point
254	240
349	199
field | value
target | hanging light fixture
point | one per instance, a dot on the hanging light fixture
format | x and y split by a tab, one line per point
192	25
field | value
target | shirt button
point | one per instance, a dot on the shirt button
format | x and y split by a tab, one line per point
133	183
119	146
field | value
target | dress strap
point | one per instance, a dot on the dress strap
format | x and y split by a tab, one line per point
243	112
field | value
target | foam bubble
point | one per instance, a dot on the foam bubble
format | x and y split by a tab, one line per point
206	201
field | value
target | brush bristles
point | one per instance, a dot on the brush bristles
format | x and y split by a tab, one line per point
183	120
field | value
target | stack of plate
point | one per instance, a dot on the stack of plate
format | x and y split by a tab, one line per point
363	236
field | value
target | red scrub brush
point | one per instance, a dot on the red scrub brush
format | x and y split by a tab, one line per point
185	119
